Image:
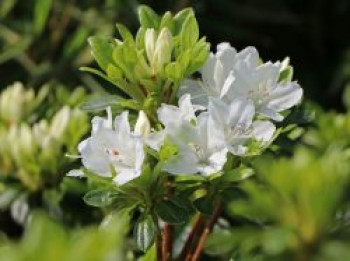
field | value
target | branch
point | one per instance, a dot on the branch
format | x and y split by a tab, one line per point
187	250
207	230
167	242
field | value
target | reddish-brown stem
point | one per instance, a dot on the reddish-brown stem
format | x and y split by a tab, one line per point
207	230
186	249
159	247
167	242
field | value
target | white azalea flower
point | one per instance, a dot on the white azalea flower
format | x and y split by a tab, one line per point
234	124
261	85
229	75
172	117
199	150
113	150
217	73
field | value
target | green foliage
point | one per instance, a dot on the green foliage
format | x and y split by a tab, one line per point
294	204
47	240
150	67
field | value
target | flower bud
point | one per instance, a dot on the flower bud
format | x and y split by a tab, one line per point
150	43
163	49
142	126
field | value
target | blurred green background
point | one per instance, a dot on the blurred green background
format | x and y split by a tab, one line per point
46	40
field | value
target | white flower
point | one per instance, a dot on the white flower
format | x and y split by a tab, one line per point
217	73
229	75
172	117
113	150
199	150
234	124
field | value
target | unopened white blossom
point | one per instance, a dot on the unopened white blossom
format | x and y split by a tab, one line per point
158	48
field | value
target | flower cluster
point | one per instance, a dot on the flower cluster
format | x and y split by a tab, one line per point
227	112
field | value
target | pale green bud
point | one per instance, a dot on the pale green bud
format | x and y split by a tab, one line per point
150	43
158	48
163	50
60	122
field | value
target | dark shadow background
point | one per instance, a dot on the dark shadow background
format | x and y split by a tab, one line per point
314	33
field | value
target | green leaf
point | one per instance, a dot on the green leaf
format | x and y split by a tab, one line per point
200	53
167	21
204	205
173	71
99	198
125	33
140	38
190	33
173	210
167	150
286	75
144	232
148	18
41	12
150	255
102	50
180	18
114	73
238	174
100	102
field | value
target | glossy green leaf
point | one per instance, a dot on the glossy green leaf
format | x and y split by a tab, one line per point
204	205
145	232
173	210
99	198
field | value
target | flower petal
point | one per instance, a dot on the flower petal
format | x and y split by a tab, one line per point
263	130
284	96
183	163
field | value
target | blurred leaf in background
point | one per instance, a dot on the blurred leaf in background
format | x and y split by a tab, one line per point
46	240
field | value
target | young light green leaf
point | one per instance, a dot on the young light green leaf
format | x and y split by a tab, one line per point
167	21
125	33
114	73
102	50
180	18
174	71
287	74
148	18
189	33
100	102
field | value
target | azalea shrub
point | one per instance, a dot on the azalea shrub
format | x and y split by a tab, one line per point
196	153
180	141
